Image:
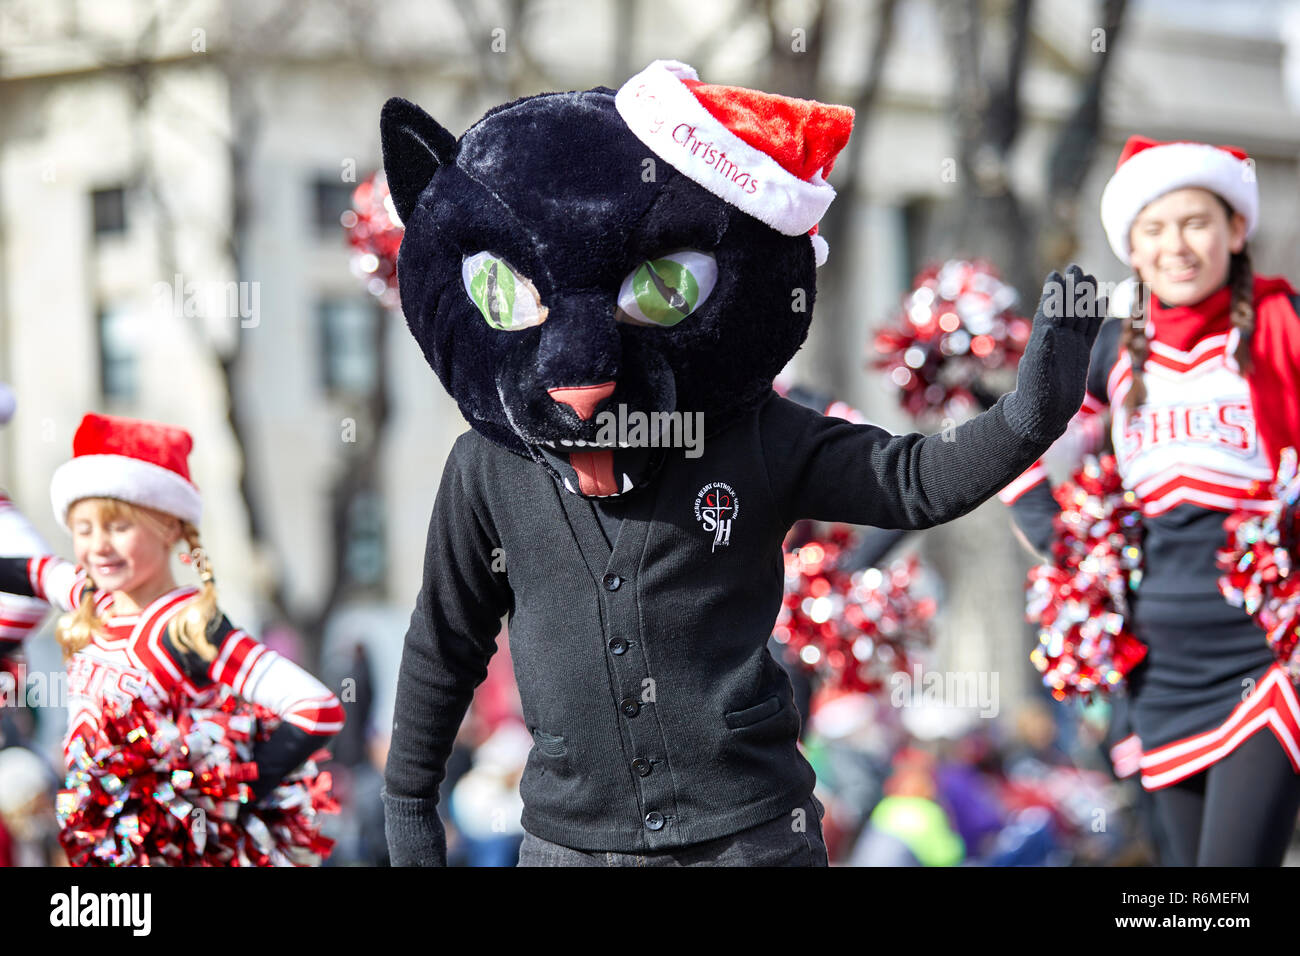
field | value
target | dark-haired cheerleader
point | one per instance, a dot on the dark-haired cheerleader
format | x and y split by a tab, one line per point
1203	386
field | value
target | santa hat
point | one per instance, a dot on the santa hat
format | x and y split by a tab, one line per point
140	462
1148	169
767	155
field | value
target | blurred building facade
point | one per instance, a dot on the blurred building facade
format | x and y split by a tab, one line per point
171	177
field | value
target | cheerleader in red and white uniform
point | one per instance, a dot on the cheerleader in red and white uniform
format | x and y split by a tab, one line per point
129	630
1203	388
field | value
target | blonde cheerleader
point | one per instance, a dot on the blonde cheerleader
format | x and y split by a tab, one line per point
129	632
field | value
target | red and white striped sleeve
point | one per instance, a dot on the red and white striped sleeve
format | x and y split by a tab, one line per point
261	676
56	581
19	617
50	579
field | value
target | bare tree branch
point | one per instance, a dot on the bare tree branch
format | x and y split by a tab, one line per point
795	71
1004	107
987	218
969	96
1075	149
842	365
708	43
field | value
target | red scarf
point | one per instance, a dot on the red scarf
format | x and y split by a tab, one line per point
1274	348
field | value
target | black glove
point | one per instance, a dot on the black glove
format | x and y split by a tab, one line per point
986	397
414	831
1054	369
280	754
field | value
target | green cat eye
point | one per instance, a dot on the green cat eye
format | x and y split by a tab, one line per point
665	290
506	299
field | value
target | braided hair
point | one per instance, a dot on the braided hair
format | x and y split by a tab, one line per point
1133	339
191	625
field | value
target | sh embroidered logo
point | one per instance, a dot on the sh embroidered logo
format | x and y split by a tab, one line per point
716	506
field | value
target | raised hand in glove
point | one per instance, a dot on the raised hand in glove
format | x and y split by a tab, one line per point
1054	369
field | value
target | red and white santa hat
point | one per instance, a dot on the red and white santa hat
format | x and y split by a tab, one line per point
768	155
144	463
1148	169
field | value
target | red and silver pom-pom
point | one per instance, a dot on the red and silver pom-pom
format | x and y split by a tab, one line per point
1260	564
164	793
957	325
1080	599
375	234
853	628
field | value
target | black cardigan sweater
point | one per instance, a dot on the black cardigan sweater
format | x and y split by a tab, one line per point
659	718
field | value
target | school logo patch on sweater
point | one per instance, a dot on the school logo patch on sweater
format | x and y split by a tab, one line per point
716	506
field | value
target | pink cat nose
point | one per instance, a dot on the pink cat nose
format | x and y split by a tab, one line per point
583	399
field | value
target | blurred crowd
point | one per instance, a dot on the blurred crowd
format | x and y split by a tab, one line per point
932	785
29	781
902	786
936	786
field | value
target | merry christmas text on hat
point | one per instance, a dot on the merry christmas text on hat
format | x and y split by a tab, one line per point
766	154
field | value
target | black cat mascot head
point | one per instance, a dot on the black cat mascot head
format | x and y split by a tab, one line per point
650	250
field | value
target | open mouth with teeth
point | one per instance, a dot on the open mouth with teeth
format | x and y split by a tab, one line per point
590	467
599	471
599	434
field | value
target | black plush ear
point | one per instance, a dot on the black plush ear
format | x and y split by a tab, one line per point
414	147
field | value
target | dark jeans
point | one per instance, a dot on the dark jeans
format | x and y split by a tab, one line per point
792	839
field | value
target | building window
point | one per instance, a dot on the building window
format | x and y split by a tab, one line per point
348	330
332	198
118	352
109	211
364	554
